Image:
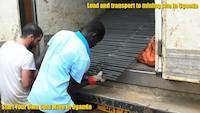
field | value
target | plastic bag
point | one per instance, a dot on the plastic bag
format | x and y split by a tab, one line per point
147	55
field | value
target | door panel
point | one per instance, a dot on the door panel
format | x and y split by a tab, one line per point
181	44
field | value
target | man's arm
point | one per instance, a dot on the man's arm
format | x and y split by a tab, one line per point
28	71
78	69
27	78
39	60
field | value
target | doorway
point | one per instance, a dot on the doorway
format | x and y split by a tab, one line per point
27	12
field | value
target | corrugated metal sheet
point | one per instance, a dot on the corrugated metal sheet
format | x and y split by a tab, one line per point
127	32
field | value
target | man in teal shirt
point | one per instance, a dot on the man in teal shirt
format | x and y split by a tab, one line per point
67	56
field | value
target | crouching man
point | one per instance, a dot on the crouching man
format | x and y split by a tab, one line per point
67	57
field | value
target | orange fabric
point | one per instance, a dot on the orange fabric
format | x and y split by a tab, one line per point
147	55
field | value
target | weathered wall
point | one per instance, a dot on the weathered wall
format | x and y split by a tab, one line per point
54	15
10	20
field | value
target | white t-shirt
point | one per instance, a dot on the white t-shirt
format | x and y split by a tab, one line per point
13	58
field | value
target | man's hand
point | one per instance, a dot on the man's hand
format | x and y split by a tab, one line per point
96	78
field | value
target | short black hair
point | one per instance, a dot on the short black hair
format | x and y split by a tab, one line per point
33	29
95	26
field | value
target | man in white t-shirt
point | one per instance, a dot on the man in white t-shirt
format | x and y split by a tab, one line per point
17	66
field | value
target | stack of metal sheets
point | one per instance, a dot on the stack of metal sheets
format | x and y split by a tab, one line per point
127	32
